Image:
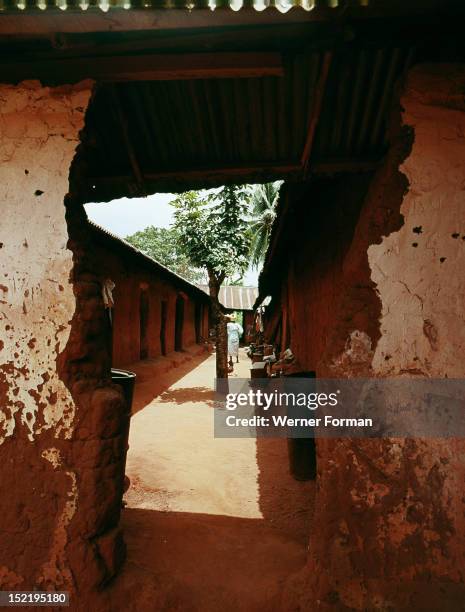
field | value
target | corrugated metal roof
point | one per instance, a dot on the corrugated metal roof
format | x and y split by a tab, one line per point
208	121
105	5
234	297
176	127
357	98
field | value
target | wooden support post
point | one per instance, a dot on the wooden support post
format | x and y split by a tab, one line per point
148	67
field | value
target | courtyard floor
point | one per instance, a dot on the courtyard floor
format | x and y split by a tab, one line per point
210	524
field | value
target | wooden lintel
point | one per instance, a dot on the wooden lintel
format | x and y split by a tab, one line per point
36	22
187	174
337	166
32	21
315	111
149	67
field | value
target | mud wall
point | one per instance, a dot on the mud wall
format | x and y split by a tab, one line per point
324	218
39	131
63	425
389	524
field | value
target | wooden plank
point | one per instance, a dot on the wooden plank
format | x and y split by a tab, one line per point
118	20
153	67
184	176
33	21
315	111
187	174
336	166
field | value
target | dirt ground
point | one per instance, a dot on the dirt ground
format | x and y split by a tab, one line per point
210	524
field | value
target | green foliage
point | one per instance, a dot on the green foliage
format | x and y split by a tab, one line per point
213	230
163	245
263	213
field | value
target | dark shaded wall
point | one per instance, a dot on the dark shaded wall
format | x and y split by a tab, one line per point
367	276
368	265
322	222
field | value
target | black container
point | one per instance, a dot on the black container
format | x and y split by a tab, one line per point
302	451
127	381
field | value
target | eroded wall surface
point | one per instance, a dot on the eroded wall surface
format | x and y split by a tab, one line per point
38	138
389	525
420	268
39	133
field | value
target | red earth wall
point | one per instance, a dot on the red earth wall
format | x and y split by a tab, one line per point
131	278
367	296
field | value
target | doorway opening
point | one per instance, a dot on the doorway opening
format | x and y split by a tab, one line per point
175	466
179	324
163	318
143	322
198	322
181	473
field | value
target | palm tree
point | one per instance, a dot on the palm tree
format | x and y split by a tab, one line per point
263	212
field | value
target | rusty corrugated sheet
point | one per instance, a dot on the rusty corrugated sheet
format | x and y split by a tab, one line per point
357	99
234	297
178	126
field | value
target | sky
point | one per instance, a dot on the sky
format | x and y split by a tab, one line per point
128	215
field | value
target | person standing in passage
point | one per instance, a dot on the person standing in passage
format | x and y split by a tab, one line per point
234	333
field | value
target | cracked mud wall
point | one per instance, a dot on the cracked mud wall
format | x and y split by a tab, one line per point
55	460
39	134
38	137
419	270
389	525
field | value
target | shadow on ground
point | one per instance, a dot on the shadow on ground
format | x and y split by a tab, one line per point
201	562
187	395
155	376
286	503
185	559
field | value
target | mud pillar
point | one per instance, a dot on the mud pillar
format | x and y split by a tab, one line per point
59	448
389	528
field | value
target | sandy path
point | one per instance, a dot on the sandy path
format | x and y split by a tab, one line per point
175	463
211	524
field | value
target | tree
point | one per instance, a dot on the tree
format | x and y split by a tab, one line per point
213	232
162	244
263	213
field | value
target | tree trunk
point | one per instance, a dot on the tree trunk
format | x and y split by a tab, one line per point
219	321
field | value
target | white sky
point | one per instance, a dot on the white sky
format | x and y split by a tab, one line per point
128	215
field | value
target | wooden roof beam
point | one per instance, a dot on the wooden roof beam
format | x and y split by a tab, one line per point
150	67
186	174
349	165
122	120
105	188
315	110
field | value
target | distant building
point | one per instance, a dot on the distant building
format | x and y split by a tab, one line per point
155	311
235	298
